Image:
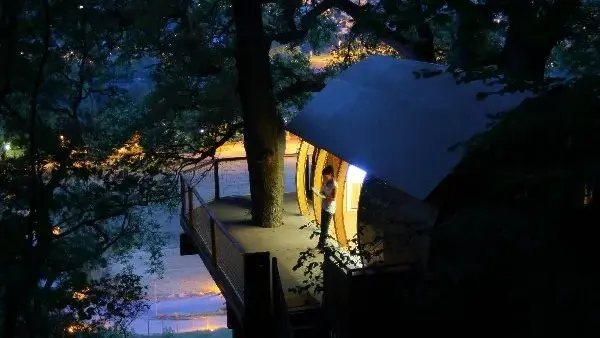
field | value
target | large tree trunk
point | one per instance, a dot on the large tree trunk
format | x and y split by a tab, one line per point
264	135
523	57
531	36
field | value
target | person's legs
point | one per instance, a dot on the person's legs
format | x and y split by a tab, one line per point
325	221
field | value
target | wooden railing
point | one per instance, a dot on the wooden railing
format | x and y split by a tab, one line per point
282	326
250	281
243	277
216	167
211	236
222	177
355	296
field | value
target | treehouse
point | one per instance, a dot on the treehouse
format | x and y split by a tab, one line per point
386	126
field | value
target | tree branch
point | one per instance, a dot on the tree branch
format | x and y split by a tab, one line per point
363	17
8	24
228	135
305	23
309	85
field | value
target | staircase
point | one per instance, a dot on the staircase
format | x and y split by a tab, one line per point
306	322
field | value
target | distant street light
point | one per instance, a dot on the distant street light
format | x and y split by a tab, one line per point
6	146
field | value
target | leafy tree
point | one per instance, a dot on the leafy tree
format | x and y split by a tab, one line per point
355	48
405	26
85	158
578	53
196	94
520	237
322	34
515	241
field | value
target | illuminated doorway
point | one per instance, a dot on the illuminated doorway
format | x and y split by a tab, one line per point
310	163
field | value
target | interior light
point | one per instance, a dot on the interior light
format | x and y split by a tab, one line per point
355	174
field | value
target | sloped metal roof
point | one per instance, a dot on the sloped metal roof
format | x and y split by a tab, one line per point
380	117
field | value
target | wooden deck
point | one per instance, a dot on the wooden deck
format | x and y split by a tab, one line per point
285	242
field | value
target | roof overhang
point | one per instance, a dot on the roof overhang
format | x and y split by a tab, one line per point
379	116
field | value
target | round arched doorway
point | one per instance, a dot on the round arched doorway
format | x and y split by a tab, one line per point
310	163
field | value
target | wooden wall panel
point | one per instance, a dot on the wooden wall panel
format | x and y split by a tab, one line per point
301	167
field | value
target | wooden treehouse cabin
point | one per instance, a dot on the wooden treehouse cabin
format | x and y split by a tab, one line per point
387	132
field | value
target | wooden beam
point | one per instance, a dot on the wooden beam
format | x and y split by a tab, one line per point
301	169
317	182
340	210
217	179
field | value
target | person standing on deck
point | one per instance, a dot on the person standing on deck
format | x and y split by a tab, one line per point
327	193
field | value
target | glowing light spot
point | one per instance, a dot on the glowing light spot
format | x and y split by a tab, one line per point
355	174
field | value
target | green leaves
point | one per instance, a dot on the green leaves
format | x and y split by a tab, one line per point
81	169
322	33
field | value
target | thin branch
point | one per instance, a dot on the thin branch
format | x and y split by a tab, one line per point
81	80
305	24
309	85
368	23
364	19
119	210
119	236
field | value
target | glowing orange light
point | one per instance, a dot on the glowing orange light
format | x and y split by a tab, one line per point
74	328
81	295
131	148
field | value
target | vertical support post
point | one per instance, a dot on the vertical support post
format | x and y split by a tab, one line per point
307	182
213	242
216	177
182	194
234	323
190	200
257	297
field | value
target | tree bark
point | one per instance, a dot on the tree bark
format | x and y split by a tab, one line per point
530	37
523	59
264	134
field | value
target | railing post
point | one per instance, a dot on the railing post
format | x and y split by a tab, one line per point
216	177
257	297
182	194
190	196
213	241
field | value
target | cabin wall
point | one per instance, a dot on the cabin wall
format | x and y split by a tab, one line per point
401	222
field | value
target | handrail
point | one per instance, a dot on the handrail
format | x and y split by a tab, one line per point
213	165
348	293
207	162
206	234
218	246
212	216
241	158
